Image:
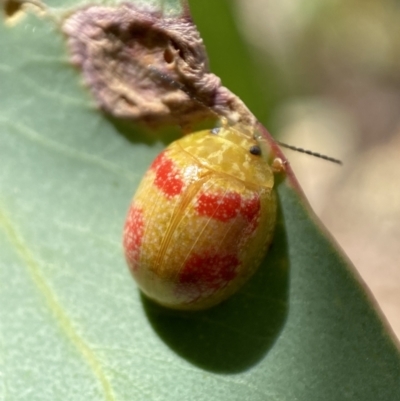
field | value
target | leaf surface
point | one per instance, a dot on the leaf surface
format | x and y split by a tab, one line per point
73	324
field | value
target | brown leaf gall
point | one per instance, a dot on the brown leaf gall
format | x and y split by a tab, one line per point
146	67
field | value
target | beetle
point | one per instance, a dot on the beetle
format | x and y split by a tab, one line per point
202	218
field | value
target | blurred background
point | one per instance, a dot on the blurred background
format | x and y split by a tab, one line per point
325	75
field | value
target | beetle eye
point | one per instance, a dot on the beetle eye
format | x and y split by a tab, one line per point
215	131
255	150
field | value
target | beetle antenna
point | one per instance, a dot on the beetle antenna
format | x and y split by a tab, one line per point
309	152
178	85
166	79
173	83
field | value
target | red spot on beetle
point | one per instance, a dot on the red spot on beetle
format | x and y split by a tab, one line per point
168	179
251	208
205	274
251	211
228	206
217	206
133	235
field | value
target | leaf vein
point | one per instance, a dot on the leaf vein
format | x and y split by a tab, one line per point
54	305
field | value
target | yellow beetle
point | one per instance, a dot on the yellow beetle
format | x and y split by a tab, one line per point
202	218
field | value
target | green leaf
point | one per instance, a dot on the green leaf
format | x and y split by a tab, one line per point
73	324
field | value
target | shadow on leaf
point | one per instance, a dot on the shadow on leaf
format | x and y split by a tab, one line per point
136	133
235	335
